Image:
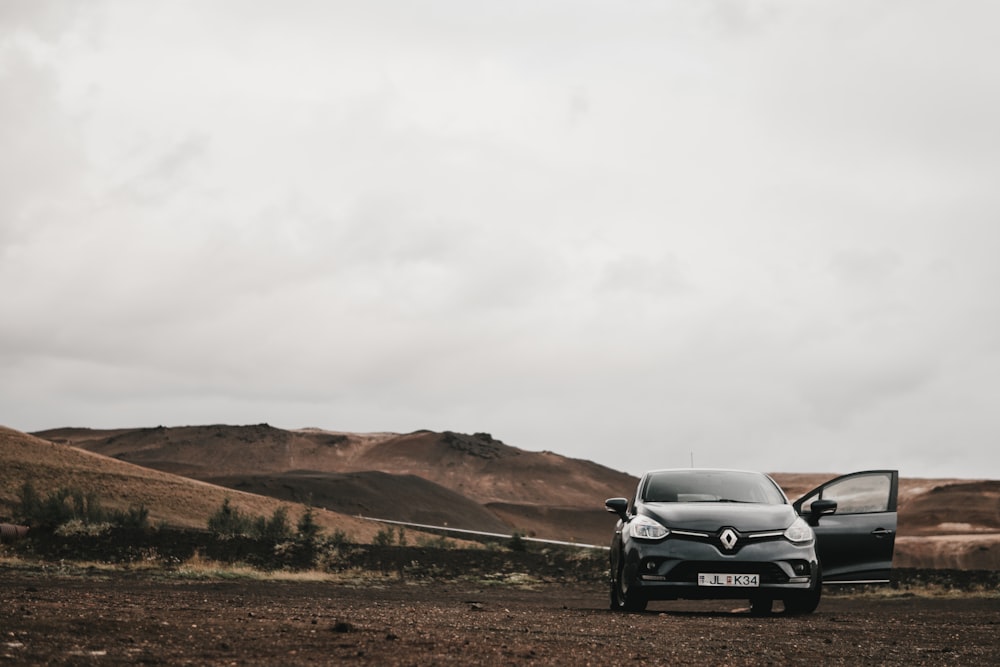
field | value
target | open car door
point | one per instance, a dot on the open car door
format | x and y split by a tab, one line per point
854	518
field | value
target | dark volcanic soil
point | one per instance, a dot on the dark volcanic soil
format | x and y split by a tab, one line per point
127	618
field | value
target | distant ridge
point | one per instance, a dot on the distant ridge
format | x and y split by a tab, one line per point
494	484
478	466
413	499
171	499
477	482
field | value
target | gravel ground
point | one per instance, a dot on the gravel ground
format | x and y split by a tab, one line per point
109	618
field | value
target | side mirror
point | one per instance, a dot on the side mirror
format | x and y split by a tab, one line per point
819	508
617	506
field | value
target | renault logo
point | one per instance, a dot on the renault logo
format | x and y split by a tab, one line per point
728	537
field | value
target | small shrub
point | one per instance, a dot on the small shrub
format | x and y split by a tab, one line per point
307	528
384	537
229	521
285	550
75	527
30	503
276	528
133	517
435	542
67	504
338	539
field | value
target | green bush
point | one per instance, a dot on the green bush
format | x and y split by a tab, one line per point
229	521
434	542
338	539
308	529
517	543
133	517
66	505
384	537
276	528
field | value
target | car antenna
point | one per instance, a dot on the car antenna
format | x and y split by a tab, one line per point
692	459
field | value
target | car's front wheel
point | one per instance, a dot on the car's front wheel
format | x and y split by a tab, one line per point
761	606
625	596
806	601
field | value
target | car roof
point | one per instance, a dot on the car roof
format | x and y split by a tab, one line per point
752	472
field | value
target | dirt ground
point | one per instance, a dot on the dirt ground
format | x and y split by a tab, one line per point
109	618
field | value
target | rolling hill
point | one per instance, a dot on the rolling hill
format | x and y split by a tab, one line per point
412	499
493	487
451	479
171	499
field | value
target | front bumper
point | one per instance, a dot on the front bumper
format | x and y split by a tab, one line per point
669	569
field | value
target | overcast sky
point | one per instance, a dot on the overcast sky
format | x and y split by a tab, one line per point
756	234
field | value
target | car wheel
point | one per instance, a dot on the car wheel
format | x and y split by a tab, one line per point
805	602
761	606
624	595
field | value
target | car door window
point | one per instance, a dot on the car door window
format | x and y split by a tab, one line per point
856	495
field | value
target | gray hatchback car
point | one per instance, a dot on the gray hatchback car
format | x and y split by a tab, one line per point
731	534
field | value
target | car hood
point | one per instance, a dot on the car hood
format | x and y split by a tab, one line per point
710	517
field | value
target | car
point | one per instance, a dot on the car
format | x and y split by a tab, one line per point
694	533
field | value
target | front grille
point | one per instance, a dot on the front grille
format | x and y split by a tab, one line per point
727	540
687	572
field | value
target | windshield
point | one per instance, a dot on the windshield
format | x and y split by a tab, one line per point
710	486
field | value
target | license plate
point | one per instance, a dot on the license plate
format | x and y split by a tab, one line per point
736	580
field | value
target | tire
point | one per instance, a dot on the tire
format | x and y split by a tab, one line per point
805	602
625	596
761	606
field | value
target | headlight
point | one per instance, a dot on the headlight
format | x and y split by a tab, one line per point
644	528
799	531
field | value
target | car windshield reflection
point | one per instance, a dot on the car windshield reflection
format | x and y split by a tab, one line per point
684	486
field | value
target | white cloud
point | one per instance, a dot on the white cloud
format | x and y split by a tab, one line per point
763	234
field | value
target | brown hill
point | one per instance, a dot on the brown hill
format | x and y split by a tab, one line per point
508	484
499	488
412	499
952	507
206	451
477	466
171	499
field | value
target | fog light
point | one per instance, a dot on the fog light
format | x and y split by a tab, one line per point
800	567
650	565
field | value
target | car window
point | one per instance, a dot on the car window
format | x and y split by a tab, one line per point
693	486
856	495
